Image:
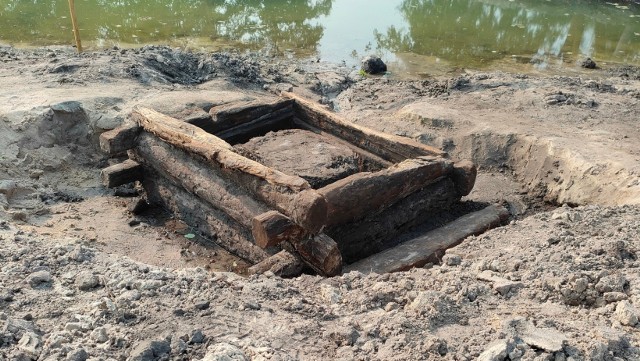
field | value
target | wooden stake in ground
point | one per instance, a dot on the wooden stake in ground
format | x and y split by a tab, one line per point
74	23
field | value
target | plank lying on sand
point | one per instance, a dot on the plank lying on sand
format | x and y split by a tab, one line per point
431	246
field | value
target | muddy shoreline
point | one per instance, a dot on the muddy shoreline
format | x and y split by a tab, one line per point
82	278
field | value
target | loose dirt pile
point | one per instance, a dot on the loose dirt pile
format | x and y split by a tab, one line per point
83	278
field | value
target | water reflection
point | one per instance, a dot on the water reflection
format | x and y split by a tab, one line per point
463	33
283	24
473	32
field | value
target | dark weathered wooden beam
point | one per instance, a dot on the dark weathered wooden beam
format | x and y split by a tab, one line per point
431	246
224	230
321	253
271	228
120	139
283	264
379	231
121	173
361	194
464	176
232	115
196	176
389	147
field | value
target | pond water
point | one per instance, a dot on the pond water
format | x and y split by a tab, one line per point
419	36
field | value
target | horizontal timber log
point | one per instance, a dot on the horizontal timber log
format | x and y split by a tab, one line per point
120	139
431	246
227	233
362	194
321	253
283	264
232	115
276	189
121	173
389	147
378	232
197	177
271	228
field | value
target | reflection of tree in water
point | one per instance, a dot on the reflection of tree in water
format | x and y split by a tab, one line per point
280	23
481	31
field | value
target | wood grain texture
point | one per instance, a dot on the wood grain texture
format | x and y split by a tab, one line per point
196	176
362	194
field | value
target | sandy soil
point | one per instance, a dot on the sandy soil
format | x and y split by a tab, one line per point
82	277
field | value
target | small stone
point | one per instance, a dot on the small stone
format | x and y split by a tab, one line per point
496	351
40	278
36	173
553	240
588	63
546	339
224	352
373	65
283	87
151	350
202	305
78	355
100	335
500	285
452	259
31	344
178	346
86	281
610	297
67	107
179	312
8	187
626	314
197	336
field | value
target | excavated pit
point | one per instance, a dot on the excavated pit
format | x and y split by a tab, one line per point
298	155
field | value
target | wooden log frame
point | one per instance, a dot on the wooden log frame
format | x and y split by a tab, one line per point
198	178
377	232
276	189
352	198
390	147
254	210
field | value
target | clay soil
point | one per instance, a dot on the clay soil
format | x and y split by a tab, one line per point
83	278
